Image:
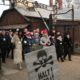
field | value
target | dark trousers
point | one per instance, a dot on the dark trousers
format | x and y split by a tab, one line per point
12	53
67	52
3	51
59	52
60	57
25	51
12	50
8	51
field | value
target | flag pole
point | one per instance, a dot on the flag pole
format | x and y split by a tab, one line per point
43	21
36	3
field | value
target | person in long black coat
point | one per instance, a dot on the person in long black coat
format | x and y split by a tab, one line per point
59	48
4	45
8	44
0	53
67	43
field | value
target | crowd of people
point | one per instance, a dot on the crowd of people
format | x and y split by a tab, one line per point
16	44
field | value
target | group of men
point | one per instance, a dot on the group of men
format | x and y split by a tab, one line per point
63	44
5	45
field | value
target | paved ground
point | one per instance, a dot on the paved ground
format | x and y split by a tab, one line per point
68	70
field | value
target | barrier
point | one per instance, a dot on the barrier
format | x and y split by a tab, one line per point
42	64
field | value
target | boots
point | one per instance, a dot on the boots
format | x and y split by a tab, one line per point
19	66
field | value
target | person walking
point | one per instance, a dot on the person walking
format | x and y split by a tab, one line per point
52	37
4	45
67	43
59	47
26	43
17	51
8	44
12	44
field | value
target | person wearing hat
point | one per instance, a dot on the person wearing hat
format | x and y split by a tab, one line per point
59	47
45	41
36	37
68	45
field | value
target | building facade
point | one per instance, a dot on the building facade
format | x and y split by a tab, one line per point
18	17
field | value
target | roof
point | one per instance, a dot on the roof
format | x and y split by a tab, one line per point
46	10
8	10
68	16
45	13
14	26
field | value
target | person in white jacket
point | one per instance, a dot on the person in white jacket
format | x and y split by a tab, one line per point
17	50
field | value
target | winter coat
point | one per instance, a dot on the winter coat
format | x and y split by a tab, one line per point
59	46
17	50
26	44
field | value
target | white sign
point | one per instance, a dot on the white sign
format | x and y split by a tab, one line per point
42	64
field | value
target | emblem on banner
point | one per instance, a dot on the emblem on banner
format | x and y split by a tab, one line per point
42	60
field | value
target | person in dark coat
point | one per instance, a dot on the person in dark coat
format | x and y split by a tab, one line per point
59	47
52	37
4	45
67	43
0	53
26	43
8	44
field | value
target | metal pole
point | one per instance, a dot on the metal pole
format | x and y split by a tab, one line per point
73	25
54	16
54	19
72	13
